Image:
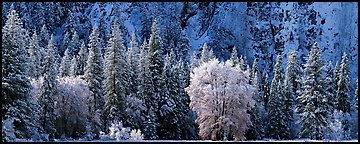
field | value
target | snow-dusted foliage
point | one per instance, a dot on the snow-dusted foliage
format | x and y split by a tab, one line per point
118	132
65	64
314	114
16	99
220	95
135	134
94	76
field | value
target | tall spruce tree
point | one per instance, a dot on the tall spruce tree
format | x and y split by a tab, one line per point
48	92
65	64
16	100
36	53
277	126
83	54
74	66
313	117
115	81
291	89
343	94
234	56
94	76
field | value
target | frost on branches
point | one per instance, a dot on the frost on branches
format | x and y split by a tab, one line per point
220	95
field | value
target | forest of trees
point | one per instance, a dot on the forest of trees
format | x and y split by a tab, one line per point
154	89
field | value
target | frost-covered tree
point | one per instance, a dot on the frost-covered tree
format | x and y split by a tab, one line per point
65	42
220	95
234	56
292	85
265	86
48	92
115	81
16	100
74	66
330	85
44	37
94	77
343	93
277	118
36	56
74	44
83	54
243	63
256	130
133	56
314	115
65	64
135	134
205	54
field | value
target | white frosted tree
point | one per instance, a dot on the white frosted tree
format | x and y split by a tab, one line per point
74	66
205	54
314	115
234	57
94	76
220	95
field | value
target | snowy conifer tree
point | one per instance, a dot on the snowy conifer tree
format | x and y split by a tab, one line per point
343	93
205	54
292	84
277	118
83	54
234	56
314	116
16	100
256	130
330	85
65	43
220	95
48	91
74	44
115	81
36	53
133	56
65	64
265	88
74	66
94	77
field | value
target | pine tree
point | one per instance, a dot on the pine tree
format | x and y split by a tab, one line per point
44	37
36	53
343	93
234	56
74	66
16	100
315	114
94	77
133	56
74	44
205	55
83	54
256	130
266	89
65	64
243	63
291	89
48	92
65	42
330	85
115	81
277	126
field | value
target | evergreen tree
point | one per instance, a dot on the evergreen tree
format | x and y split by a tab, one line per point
65	64
156	71
133	56
330	85
314	115
65	43
16	100
115	81
243	63
94	77
291	89
277	126
74	66
83	54
266	89
44	37
36	53
74	44
256	130
234	56
205	55
48	92
343	93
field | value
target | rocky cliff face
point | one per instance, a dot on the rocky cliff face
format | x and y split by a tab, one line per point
258	30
